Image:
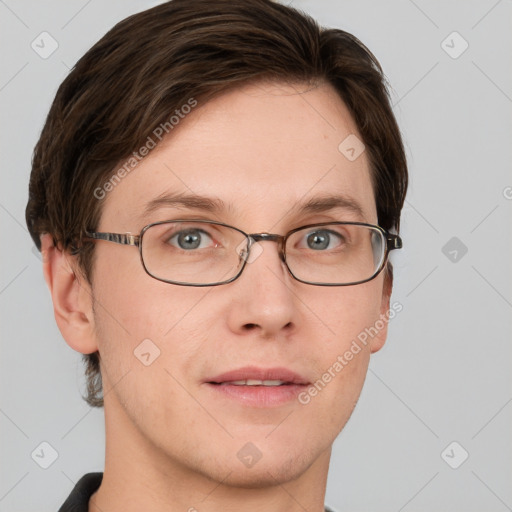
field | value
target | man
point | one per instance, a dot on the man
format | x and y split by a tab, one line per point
216	192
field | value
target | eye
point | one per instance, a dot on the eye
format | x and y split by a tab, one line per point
190	239
323	239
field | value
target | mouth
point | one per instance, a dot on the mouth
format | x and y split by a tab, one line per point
258	387
253	382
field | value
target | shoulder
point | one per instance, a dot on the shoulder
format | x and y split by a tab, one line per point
78	500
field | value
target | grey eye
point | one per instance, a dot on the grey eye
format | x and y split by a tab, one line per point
189	239
322	239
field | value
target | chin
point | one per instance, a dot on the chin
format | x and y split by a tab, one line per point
261	464
267	473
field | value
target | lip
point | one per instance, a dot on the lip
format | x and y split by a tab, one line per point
256	373
257	396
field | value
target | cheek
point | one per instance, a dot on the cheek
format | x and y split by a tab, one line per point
133	303
330	400
147	349
340	314
343	354
136	315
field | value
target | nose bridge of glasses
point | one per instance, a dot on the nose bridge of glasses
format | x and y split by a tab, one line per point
268	237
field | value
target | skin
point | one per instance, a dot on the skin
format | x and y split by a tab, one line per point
170	444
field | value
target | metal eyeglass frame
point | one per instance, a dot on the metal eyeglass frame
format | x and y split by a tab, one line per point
393	241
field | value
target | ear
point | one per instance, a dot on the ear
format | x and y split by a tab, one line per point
379	339
71	296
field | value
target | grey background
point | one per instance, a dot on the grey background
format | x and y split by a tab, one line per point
444	374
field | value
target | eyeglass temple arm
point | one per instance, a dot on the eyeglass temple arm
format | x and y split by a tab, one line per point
393	241
118	238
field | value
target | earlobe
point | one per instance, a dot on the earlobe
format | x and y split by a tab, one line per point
71	296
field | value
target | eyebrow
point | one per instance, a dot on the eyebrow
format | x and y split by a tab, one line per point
318	204
181	200
326	203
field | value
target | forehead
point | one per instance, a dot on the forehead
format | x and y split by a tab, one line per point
257	153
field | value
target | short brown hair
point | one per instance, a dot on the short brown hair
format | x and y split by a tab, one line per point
152	63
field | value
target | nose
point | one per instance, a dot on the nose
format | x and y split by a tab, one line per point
265	297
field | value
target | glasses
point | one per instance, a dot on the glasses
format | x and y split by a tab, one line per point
211	253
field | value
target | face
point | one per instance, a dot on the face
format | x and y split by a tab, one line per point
261	149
